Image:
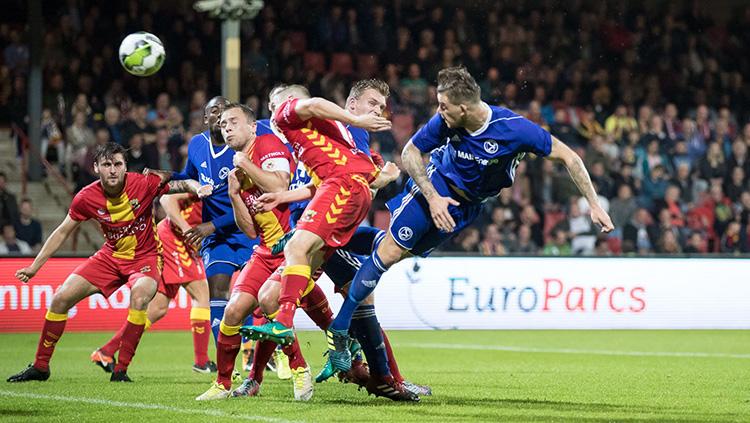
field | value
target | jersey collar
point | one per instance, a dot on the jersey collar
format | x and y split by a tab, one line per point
479	131
211	146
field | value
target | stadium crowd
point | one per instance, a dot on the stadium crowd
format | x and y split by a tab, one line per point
652	97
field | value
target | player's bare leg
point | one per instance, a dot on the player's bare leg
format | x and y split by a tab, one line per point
72	291
240	305
200	325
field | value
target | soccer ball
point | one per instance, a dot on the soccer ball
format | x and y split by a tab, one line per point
142	53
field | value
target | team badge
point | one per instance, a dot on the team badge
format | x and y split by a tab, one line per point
101	212
405	233
223	173
145	269
134	203
490	147
308	216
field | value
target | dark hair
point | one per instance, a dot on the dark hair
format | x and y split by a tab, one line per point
247	110
108	151
362	85
458	84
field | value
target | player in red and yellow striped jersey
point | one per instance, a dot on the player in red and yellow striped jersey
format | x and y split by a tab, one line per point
182	267
122	203
264	164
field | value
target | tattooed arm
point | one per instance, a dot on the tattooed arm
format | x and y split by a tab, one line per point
411	159
561	153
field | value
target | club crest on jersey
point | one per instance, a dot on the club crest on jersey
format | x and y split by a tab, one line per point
101	212
491	146
308	216
405	233
223	173
134	203
145	269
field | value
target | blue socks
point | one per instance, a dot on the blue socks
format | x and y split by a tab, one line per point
366	329
362	285
217	313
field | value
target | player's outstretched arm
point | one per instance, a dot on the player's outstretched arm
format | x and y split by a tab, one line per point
171	205
321	108
561	153
411	159
389	173
190	185
53	243
241	214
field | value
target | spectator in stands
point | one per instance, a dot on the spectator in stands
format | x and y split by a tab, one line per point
8	204
157	117
623	207
525	244
492	244
12	245
138	124
79	137
558	244
29	229
696	244
136	158
640	232
160	154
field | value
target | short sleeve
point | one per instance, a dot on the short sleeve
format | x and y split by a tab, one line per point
77	209
432	135
273	155
286	117
529	137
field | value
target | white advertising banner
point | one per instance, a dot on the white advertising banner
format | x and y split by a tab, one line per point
560	293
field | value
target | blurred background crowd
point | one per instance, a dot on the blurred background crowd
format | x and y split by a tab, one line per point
651	95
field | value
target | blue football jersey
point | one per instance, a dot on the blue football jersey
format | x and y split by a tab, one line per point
481	163
210	165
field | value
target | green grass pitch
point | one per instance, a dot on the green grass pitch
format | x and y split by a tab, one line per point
563	376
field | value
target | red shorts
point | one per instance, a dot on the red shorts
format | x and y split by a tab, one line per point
182	264
340	204
108	273
256	272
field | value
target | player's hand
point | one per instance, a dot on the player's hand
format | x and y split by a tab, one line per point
25	274
204	191
240	159
196	234
234	182
164	175
439	211
601	218
391	172
372	123
266	202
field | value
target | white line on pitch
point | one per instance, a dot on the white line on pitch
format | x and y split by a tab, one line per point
572	350
144	406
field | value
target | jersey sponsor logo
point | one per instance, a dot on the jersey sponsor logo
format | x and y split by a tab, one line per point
468	156
204	165
115	234
491	146
207	180
405	233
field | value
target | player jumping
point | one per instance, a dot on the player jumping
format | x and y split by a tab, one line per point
482	146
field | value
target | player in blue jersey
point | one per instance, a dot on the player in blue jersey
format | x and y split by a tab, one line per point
225	248
481	148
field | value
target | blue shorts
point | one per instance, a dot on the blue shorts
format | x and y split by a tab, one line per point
342	266
223	257
412	226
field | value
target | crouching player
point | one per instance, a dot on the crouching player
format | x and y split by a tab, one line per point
122	203
182	267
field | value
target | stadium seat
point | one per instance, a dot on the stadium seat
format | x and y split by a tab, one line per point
315	61
381	219
367	65
403	127
298	41
341	64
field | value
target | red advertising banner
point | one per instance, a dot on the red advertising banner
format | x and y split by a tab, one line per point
23	306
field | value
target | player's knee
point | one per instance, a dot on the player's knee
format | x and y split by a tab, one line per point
370	300
233	315
60	303
296	249
389	252
269	303
218	286
142	293
157	312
